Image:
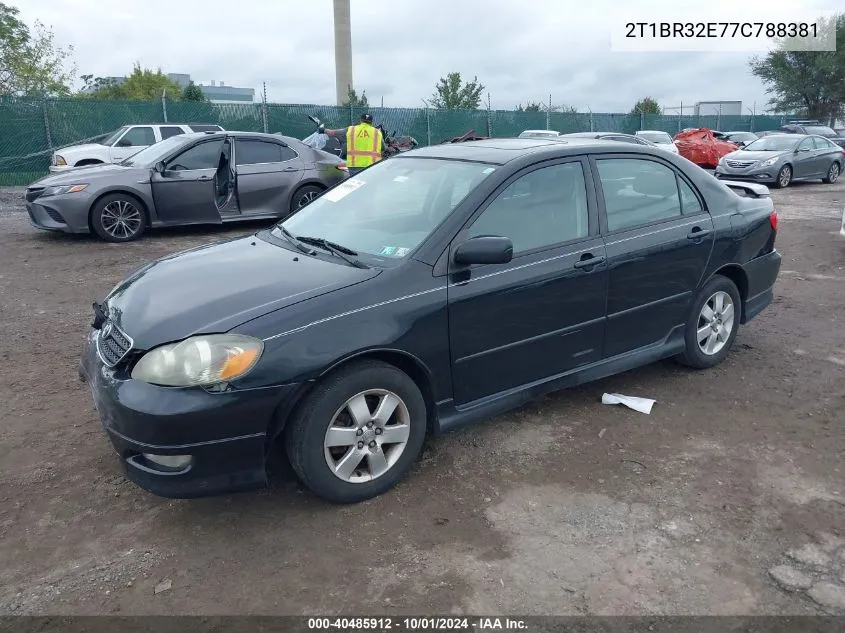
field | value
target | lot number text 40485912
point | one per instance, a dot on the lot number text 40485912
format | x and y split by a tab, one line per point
416	624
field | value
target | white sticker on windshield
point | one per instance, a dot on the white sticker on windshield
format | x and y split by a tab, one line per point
400	179
489	170
401	252
342	190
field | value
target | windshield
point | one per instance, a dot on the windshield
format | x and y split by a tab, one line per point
773	144
149	156
742	136
821	130
656	137
112	136
387	210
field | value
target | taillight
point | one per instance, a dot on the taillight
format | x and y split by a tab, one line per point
342	167
773	220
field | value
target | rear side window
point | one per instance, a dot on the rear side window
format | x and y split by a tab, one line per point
205	128
690	204
638	192
822	143
257	152
167	132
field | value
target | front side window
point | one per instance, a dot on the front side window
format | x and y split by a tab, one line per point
388	210
637	192
138	137
167	132
204	155
806	144
544	207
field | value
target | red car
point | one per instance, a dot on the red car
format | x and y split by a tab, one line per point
702	148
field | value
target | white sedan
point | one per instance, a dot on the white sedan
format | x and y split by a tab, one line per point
659	138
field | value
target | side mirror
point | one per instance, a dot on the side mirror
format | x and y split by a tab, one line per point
124	143
484	250
159	167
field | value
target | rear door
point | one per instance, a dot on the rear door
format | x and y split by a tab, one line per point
184	191
131	142
659	236
823	155
267	172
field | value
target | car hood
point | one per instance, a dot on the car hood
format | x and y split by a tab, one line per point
92	173
216	287
85	148
755	156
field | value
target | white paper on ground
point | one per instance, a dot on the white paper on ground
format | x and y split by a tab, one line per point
643	405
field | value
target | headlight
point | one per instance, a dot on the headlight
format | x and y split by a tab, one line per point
769	162
199	361
60	161
55	191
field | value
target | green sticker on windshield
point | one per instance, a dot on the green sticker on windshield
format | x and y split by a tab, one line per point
387	251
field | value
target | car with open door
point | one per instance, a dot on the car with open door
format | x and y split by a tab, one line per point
198	178
438	288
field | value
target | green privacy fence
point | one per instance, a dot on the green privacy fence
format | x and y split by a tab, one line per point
30	130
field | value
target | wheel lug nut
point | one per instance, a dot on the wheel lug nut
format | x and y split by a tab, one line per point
379	431
359	432
369	425
360	444
372	444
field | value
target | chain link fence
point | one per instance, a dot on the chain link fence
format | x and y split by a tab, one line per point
31	130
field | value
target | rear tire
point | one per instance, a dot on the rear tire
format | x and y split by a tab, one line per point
784	177
832	174
118	217
712	324
339	445
303	196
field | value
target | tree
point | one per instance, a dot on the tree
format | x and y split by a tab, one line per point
353	100
192	92
533	106
141	85
811	83
646	105
453	94
31	64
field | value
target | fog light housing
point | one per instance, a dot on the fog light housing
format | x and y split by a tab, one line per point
174	462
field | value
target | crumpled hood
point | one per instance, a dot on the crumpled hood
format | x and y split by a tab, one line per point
92	173
214	288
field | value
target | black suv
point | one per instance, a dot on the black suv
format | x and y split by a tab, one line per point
813	127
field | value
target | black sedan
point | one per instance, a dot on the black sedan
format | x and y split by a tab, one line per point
432	290
200	178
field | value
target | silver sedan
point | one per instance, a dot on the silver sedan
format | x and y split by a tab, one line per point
201	178
780	159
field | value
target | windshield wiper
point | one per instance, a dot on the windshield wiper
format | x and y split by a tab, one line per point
293	240
337	250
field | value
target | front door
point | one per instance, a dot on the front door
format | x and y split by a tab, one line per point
267	173
805	159
659	237
542	314
133	141
184	193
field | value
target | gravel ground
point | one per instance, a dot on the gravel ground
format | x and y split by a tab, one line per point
728	499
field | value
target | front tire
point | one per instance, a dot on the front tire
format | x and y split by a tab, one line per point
358	433
784	177
118	217
832	174
712	325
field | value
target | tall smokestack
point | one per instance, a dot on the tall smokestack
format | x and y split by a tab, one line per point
342	49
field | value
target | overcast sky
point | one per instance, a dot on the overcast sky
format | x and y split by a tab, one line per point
521	50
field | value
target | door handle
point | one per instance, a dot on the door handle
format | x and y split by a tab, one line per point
697	235
290	169
205	178
588	261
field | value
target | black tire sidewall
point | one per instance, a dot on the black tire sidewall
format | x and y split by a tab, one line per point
693	356
297	196
97	217
780	171
306	432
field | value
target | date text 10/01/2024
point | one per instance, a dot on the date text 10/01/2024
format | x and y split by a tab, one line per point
416	624
719	30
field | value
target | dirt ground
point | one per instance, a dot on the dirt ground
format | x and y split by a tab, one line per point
728	499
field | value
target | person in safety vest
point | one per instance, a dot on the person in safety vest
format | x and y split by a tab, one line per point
364	143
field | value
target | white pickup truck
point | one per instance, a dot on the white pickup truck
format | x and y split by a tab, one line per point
121	144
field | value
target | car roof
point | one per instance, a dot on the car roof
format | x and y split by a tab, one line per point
503	150
259	135
539	132
651	132
172	124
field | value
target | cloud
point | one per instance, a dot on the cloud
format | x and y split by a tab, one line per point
520	51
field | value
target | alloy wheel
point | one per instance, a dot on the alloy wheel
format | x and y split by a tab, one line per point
833	173
307	197
785	176
715	323
121	219
367	435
